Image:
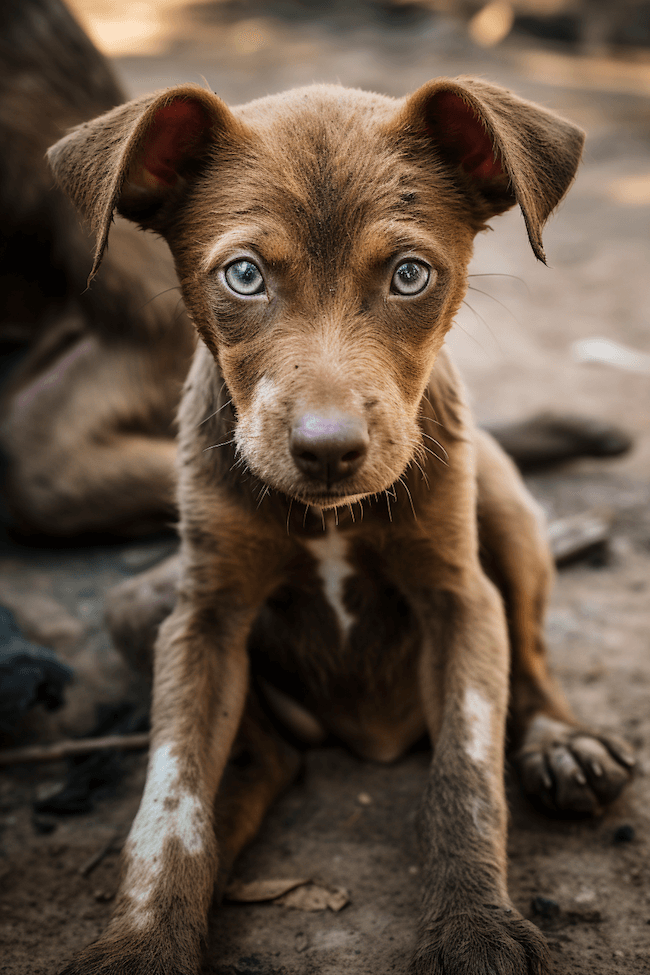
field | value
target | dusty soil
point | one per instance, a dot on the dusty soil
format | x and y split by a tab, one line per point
514	346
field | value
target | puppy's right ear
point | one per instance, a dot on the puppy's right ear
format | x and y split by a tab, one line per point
140	157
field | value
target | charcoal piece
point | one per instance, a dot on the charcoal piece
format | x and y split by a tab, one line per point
94	777
29	674
624	834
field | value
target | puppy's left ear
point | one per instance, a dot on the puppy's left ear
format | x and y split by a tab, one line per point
141	158
503	149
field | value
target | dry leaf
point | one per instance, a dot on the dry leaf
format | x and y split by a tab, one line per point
313	897
301	894
261	890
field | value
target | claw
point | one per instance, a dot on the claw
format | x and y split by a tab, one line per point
571	769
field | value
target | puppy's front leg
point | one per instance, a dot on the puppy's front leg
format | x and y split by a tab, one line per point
171	855
469	926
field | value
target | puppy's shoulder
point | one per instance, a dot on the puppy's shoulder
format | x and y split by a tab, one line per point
448	399
202	397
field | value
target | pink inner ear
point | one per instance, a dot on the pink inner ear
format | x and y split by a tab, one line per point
174	134
461	132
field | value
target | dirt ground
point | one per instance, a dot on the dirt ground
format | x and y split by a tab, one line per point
515	344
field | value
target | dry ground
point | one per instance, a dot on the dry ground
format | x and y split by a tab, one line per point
515	350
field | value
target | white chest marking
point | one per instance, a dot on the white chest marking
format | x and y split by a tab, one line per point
166	812
330	551
478	715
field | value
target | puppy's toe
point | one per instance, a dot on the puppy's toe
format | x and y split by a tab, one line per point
571	770
606	762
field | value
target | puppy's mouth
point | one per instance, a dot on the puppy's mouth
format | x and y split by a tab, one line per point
330	498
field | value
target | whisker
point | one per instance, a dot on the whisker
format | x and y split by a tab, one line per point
351	513
215	413
289	513
422	472
390	513
179	309
485	323
466	332
336	517
226	443
434	454
266	490
430	419
304	517
437	443
497	274
322	518
488	295
175	287
405	486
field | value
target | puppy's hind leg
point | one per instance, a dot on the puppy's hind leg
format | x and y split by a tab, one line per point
567	767
262	765
135	608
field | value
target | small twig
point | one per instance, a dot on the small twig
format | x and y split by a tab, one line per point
580	534
103	851
79	746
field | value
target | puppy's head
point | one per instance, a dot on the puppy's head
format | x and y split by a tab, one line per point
322	238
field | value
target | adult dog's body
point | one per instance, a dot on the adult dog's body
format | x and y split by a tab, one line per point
86	417
335	496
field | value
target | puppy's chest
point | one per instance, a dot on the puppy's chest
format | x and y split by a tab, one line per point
338	575
338	625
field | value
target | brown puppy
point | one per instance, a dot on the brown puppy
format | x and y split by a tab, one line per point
334	492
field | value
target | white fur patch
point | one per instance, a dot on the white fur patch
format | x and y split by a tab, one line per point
330	551
478	714
266	393
265	399
478	809
155	824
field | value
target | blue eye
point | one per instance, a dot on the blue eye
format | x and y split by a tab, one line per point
410	278
244	278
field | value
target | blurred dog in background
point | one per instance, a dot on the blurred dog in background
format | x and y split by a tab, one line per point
88	407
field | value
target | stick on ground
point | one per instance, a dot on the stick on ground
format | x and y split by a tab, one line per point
80	746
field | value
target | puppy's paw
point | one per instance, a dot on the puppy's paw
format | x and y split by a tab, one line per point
124	957
492	941
572	770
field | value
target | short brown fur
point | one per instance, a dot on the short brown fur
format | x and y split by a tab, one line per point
345	580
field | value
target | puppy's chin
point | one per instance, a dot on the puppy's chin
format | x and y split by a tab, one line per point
331	499
340	494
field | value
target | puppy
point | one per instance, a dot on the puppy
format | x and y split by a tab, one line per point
357	559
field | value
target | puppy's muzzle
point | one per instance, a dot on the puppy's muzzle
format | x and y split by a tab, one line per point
329	446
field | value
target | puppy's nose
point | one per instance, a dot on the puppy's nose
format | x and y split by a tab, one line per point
329	446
